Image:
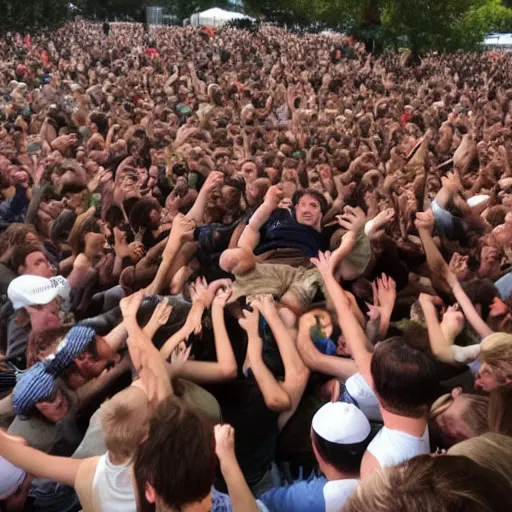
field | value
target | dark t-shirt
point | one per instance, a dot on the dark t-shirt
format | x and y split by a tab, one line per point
243	407
283	231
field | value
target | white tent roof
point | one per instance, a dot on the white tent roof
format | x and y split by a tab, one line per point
216	17
498	40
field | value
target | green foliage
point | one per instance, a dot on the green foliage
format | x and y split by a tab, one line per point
31	15
492	16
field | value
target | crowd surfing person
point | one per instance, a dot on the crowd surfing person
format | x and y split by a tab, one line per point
252	271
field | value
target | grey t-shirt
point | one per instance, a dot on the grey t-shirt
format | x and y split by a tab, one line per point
17	338
61	438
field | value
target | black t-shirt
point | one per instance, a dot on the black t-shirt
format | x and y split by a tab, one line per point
242	406
283	231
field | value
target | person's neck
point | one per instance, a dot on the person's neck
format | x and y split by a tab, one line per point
412	426
332	474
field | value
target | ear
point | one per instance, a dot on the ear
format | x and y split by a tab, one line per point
150	493
21	270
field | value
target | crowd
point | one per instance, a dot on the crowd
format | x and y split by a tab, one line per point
253	271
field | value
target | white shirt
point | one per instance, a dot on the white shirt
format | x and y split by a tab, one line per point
337	493
112	487
365	397
392	447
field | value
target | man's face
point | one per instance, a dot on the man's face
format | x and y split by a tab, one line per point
309	212
56	409
92	363
45	316
37	264
249	171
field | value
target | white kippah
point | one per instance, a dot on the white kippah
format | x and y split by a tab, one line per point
341	423
11	478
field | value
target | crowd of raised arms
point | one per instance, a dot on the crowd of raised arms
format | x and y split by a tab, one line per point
253	271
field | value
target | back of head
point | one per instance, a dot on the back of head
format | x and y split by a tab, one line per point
492	451
175	465
433	484
500	410
124	423
496	351
404	378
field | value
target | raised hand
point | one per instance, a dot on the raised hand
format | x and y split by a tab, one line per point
324	263
459	266
182	231
180	356
265	304
199	291
385	291
273	196
130	305
222	296
161	313
224	441
352	219
425	221
249	322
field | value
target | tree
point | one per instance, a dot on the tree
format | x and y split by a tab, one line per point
32	15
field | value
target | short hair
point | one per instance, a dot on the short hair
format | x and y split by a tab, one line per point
433	484
178	457
404	378
141	210
491	450
483	292
496	351
15	234
124	424
496	215
20	253
500	410
40	344
346	458
313	193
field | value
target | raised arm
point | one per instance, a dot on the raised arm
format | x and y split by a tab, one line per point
296	373
425	225
276	398
251	235
37	463
338	367
182	231
352	329
148	362
241	496
193	323
225	368
196	213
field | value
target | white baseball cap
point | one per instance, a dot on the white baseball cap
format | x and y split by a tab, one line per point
341	423
28	290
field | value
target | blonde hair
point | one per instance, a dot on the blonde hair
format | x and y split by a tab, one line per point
433	484
496	351
492	451
500	410
124	420
475	415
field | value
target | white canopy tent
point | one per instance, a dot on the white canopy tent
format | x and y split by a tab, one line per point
499	41
216	17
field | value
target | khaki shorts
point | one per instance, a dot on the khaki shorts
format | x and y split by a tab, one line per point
277	280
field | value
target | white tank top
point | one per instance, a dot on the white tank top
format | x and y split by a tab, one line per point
364	396
337	493
392	447
112	487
